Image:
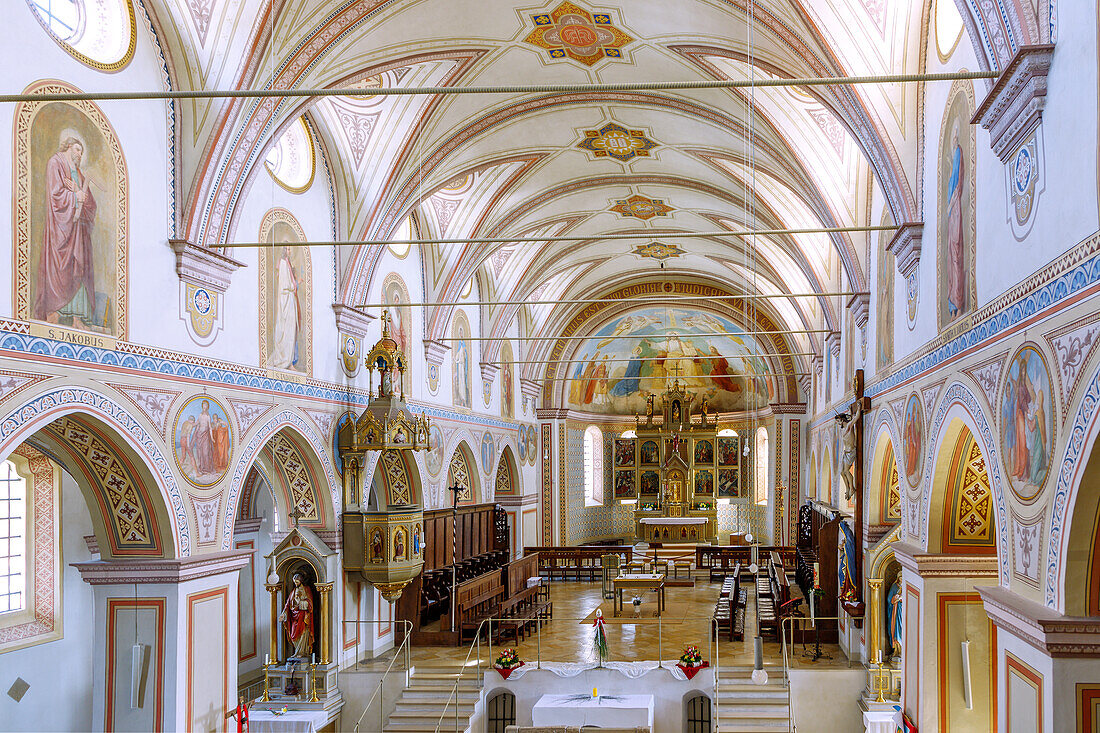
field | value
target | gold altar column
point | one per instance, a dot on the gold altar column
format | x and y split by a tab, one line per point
326	593
874	639
273	589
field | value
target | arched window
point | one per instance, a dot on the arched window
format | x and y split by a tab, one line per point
290	161
102	36
13	539
697	711
760	469
500	712
403	233
593	466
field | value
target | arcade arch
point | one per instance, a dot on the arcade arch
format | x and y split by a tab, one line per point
463	472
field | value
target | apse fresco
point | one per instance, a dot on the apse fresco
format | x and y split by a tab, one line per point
640	353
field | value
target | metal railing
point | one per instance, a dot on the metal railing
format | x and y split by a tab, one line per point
458	680
786	661
395	622
385	675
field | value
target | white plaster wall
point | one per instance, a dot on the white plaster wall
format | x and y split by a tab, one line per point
839	688
60	672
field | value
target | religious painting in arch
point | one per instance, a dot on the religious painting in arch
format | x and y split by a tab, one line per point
507	382
70	218
1027	422
286	297
913	438
461	379
202	440
640	353
396	297
956	291
884	313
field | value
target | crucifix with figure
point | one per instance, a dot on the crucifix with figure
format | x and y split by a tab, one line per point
852	476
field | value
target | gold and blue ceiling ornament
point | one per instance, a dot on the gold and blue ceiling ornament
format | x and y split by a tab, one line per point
617	142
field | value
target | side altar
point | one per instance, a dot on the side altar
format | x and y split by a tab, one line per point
674	469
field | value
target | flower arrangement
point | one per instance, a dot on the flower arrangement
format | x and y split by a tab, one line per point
691	657
508	659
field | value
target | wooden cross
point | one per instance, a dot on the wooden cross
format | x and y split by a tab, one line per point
296	515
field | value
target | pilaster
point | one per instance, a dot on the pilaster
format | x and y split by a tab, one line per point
181	614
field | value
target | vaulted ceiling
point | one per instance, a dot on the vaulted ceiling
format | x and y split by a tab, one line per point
577	163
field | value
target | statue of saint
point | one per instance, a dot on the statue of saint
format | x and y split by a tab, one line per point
297	618
894	621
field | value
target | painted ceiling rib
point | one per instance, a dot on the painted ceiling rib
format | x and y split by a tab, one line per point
812	81
657	298
572	238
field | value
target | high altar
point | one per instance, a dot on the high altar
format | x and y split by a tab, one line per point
674	469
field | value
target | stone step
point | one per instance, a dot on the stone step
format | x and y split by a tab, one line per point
420	728
419	693
429	719
742	712
746	727
749	697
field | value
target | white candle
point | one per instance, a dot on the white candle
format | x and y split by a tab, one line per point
313	658
267	659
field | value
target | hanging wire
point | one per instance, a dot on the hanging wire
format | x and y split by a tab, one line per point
511	90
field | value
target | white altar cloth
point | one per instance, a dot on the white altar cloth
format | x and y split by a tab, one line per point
605	711
673	520
292	721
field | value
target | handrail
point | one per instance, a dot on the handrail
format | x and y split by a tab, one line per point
374	622
385	675
786	667
454	690
717	672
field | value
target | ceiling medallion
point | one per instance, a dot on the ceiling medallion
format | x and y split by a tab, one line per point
570	32
641	207
615	141
659	251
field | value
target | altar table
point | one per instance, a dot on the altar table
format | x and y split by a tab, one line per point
605	711
644	581
674	529
292	721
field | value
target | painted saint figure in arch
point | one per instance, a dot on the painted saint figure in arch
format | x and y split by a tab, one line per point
66	273
956	258
288	314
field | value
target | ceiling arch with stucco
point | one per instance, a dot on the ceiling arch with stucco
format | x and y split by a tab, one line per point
577	163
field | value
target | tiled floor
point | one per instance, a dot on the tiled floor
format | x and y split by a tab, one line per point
567	639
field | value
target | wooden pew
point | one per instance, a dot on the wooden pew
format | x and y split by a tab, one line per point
477	599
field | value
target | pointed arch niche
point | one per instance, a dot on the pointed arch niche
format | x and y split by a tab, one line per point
885	496
506	481
961	515
462	472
